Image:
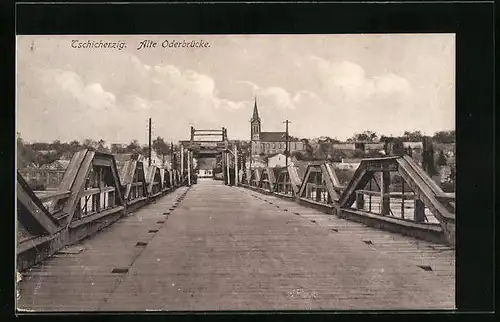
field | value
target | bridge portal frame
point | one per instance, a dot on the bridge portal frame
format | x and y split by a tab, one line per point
214	147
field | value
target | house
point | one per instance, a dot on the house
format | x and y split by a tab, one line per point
269	142
378	146
257	162
155	159
344	146
413	145
46	152
56	165
66	156
206	168
276	160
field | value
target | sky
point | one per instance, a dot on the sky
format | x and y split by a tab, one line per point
326	85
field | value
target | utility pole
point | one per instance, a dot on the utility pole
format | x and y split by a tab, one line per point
286	144
149	163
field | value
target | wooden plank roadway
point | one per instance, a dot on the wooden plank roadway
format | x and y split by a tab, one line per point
226	248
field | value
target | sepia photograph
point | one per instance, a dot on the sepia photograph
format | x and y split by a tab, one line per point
235	172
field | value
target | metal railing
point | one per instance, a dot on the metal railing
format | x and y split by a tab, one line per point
95	200
48	199
283	183
136	191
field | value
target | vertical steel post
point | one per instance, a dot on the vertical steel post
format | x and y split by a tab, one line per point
149	163
228	175
384	192
189	167
287	151
236	174
402	198
182	163
419	211
370	196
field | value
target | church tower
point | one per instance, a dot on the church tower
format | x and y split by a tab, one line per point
255	124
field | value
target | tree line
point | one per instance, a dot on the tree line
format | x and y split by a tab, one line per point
42	153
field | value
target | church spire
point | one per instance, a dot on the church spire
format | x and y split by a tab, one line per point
255	111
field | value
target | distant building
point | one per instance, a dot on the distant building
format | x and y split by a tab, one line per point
374	146
45	152
346	165
56	165
269	142
413	145
276	160
206	168
257	162
67	156
155	159
344	146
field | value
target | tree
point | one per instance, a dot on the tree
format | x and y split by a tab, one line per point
161	147
367	135
441	161
308	147
144	150
133	147
358	153
101	146
337	155
415	136
74	146
89	144
56	145
39	146
428	157
444	136
25	155
322	150
302	156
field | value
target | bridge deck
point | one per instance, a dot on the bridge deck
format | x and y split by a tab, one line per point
228	248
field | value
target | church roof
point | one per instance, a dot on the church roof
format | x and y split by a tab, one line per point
255	115
272	136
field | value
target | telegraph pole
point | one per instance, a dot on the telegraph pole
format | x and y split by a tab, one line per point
286	144
149	163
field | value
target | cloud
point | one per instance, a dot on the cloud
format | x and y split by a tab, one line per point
251	85
276	97
90	95
391	83
347	81
307	98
